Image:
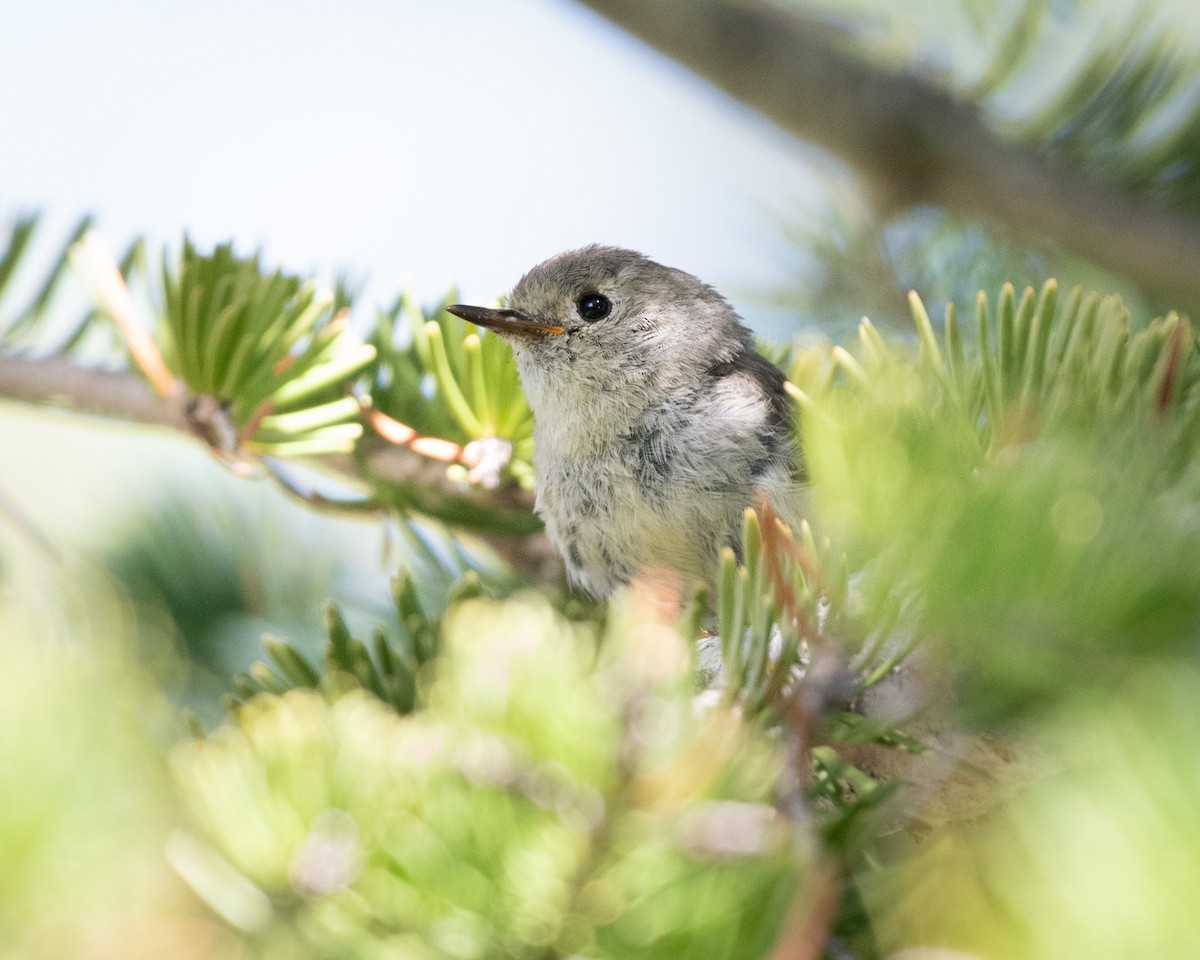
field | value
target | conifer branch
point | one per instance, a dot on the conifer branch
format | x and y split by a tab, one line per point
917	142
59	382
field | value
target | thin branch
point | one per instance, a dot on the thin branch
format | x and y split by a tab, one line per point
811	918
97	265
917	141
58	382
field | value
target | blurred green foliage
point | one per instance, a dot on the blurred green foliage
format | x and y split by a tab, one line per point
206	577
1037	489
854	262
85	802
385	668
557	796
1096	859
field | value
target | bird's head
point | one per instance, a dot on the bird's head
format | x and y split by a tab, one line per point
602	319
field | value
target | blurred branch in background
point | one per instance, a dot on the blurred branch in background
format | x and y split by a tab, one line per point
918	143
853	263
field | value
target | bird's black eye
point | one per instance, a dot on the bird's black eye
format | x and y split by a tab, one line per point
593	306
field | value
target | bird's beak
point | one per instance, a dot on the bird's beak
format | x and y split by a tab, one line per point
505	321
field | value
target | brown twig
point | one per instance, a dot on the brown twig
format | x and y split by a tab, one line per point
402	435
802	703
1166	390
97	265
775	544
794	708
811	917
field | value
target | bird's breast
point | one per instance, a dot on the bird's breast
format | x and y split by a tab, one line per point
624	487
628	506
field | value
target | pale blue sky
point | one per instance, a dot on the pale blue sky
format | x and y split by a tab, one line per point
422	143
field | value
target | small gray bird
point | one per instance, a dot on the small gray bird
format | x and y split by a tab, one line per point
656	422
